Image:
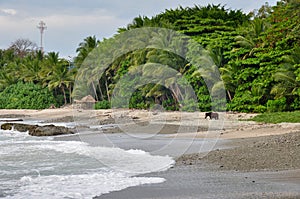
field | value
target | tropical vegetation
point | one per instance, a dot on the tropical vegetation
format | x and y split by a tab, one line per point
30	73
257	55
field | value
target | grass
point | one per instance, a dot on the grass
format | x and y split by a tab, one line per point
278	117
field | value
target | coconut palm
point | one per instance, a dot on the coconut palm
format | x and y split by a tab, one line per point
60	78
85	47
56	74
7	79
288	76
30	69
249	41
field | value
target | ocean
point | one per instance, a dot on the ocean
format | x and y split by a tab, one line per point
43	167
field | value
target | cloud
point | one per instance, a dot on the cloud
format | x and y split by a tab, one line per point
64	31
8	11
70	21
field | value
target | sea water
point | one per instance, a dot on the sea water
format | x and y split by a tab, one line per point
40	167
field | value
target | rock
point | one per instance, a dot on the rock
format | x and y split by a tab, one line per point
108	120
6	126
35	130
18	127
50	130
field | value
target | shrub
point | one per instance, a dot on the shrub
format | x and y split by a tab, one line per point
102	105
296	104
260	109
26	96
170	105
277	105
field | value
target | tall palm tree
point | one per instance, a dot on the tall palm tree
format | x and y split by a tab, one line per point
56	74
61	78
85	47
51	60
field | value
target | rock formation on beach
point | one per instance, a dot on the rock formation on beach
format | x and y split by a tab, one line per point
35	130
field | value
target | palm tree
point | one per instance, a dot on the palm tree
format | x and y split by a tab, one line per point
30	69
7	79
85	47
61	78
9	74
256	27
50	61
227	73
288	76
209	71
56	74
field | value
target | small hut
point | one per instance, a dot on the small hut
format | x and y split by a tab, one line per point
86	102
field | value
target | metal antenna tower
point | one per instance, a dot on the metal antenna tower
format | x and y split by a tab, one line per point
42	26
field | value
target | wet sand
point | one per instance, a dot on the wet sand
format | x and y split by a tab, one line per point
194	182
222	174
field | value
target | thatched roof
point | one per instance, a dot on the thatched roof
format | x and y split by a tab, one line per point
88	98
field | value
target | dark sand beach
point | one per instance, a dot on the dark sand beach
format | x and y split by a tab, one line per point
264	167
248	160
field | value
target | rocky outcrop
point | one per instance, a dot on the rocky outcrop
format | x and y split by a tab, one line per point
50	130
18	127
35	130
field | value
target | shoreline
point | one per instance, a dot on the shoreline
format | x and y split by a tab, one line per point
195	178
259	158
200	182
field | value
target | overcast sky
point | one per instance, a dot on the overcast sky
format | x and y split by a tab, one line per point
70	21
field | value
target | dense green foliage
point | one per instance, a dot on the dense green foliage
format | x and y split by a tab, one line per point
102	105
265	66
278	117
34	67
26	96
257	54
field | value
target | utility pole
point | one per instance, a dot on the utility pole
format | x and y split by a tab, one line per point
42	26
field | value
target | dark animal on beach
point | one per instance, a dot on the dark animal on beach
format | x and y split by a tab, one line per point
212	115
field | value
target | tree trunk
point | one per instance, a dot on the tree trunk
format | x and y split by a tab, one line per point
100	90
107	91
70	91
95	91
229	95
64	92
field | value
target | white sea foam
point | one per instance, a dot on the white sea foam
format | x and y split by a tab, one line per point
77	186
131	161
32	167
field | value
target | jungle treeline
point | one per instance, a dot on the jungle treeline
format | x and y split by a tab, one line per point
257	55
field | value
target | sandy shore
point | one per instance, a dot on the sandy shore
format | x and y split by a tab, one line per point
262	160
228	127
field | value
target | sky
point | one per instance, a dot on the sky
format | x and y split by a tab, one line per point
70	21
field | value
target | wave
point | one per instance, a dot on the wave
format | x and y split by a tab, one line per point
36	167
